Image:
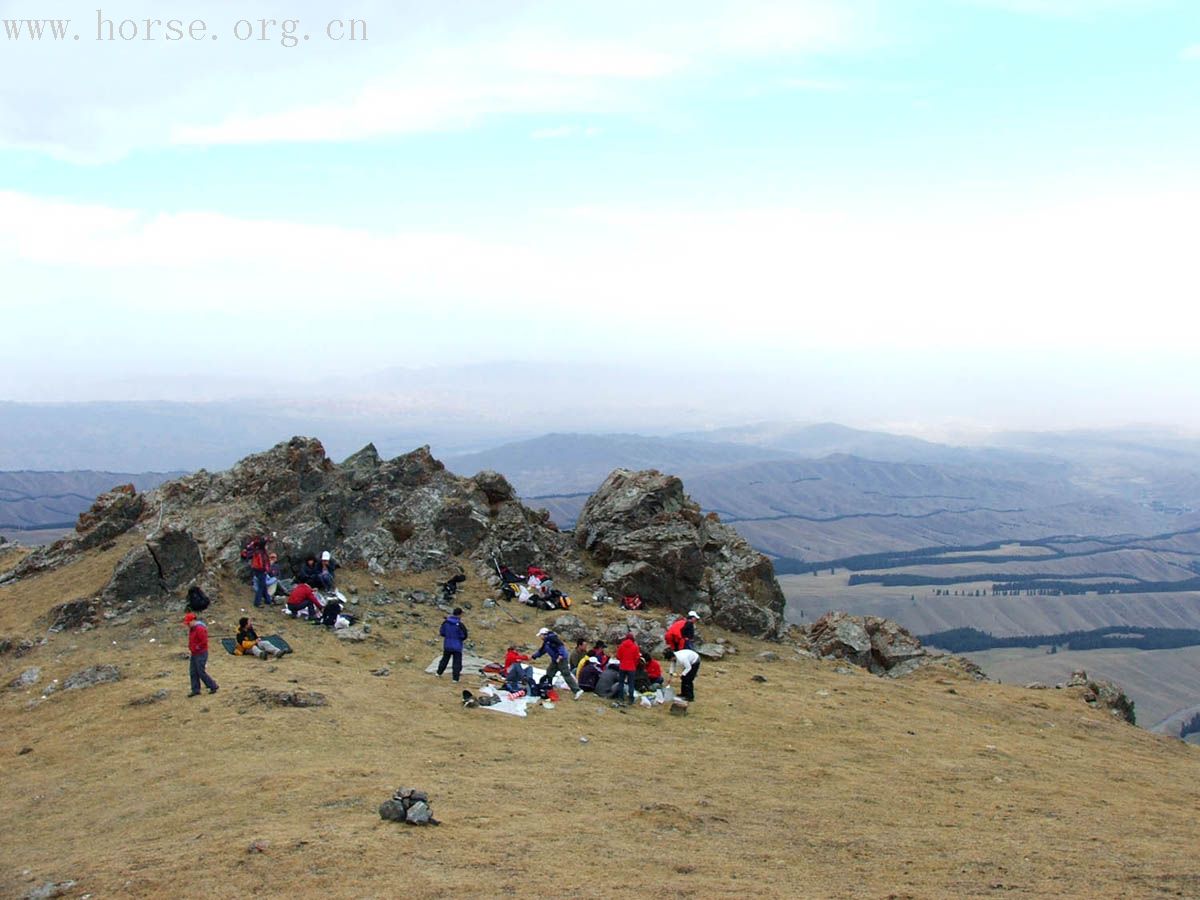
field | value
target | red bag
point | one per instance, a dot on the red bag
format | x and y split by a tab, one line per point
632	602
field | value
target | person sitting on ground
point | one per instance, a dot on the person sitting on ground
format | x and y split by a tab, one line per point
653	671
514	655
554	650
578	655
303	599
310	572
325	572
597	651
272	577
516	676
589	674
609	682
248	641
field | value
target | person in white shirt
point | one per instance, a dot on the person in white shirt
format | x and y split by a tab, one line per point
688	663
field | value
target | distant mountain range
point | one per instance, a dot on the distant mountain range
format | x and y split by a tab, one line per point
34	501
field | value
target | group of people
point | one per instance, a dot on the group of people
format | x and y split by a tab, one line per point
266	574
535	589
630	670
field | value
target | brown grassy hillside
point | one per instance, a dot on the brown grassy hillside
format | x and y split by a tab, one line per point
812	784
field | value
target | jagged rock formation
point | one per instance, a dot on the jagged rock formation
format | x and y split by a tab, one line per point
654	541
410	514
1101	694
879	645
406	514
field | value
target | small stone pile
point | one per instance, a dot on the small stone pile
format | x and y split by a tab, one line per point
408	805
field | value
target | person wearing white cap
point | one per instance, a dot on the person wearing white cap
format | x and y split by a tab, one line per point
558	659
325	575
682	632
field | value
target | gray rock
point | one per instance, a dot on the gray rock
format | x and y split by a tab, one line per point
711	651
392	811
28	678
50	889
92	676
419	813
73	614
354	634
769	656
654	541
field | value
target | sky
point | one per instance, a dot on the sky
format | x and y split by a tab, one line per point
913	211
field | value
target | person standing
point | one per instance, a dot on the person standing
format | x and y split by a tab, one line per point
198	655
453	633
559	659
688	662
629	654
256	552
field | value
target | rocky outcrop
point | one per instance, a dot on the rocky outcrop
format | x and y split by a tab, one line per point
1107	695
879	645
405	514
654	541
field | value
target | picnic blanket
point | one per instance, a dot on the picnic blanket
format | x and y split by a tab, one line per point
471	664
505	705
276	639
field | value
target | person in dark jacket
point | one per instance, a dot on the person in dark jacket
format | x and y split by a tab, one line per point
590	674
310	572
453	633
325	572
198	655
608	685
559	659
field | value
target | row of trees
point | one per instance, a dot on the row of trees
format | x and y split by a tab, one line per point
967	640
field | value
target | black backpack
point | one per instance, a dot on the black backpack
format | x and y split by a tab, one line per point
197	600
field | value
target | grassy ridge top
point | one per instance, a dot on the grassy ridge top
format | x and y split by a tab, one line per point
814	783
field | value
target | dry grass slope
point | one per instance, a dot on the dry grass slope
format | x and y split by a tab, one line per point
814	784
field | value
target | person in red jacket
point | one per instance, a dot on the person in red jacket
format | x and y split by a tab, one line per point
198	650
653	671
629	654
512	656
303	598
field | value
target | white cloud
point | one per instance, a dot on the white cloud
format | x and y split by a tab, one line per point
1104	273
426	67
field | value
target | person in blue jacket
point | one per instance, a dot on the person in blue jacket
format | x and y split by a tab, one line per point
453	633
558	655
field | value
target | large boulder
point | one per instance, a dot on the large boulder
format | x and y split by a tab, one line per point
879	645
654	541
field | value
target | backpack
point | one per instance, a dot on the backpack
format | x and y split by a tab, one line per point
633	601
564	602
197	601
